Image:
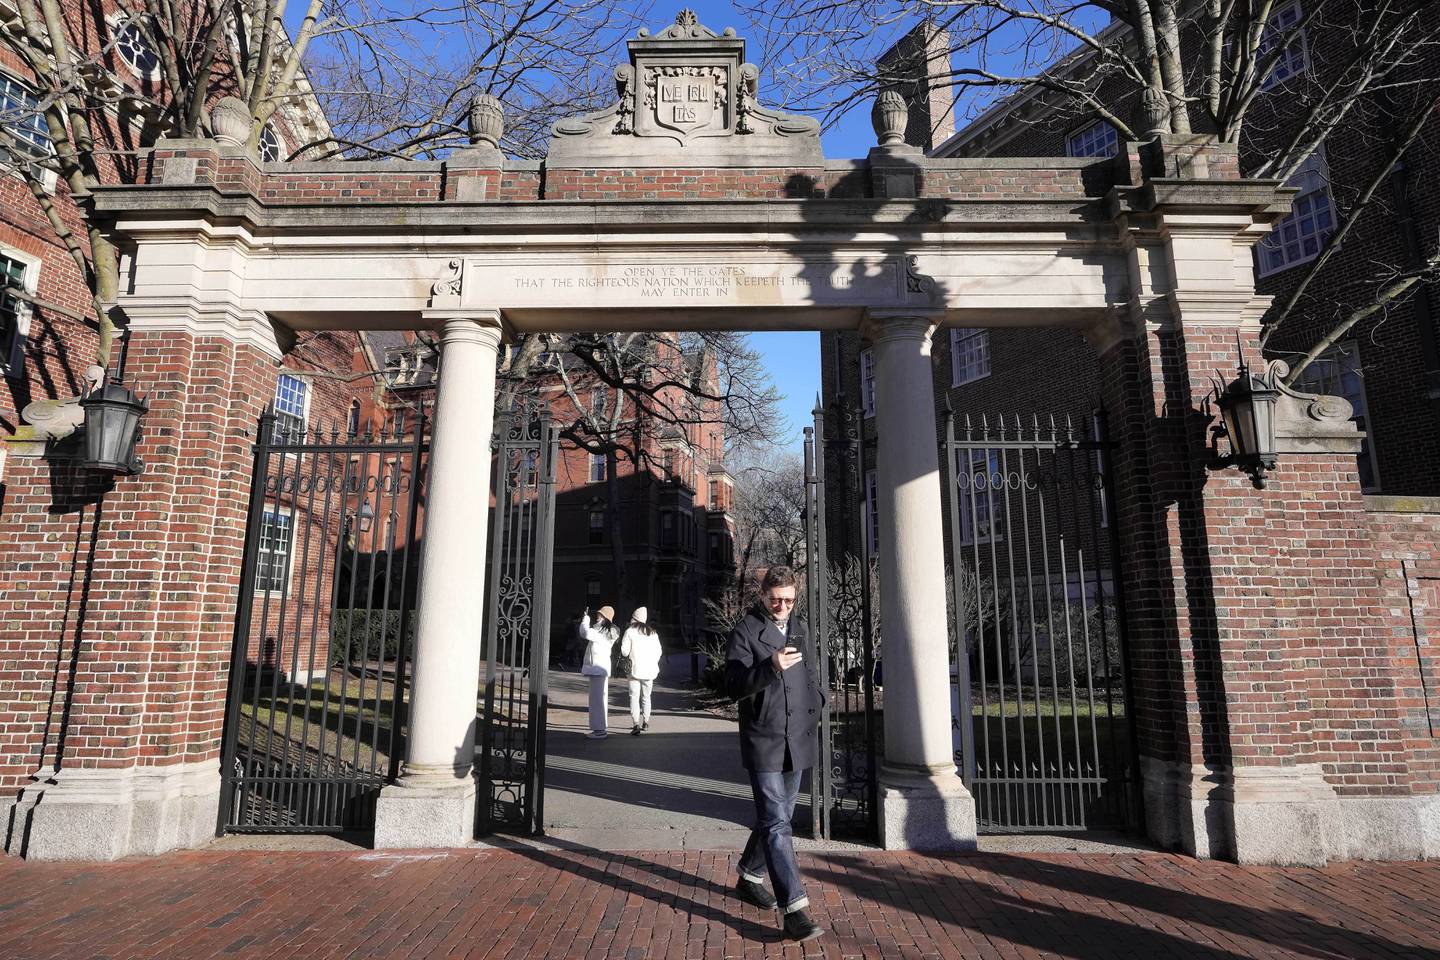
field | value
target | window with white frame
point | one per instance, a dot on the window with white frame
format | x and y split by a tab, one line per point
292	403
271	149
592	591
969	355
272	565
872	514
17	277
1337	372
597	525
1282	28
981	495
597	467
597	401
134	48
867	382
20	113
1300	236
1099	139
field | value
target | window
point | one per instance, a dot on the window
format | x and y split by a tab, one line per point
872	514
667	463
272	567
597	401
597	467
712	546
592	591
292	400
21	114
134	48
16	277
352	426
1099	139
981	495
969	355
1337	372
667	529
1299	237
867	382
1291	62
272	150
597	525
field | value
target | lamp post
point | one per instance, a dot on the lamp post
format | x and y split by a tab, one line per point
1247	414
112	427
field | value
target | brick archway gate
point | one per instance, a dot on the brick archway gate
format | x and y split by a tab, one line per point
735	219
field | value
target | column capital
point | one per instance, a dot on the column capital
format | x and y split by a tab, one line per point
469	325
879	325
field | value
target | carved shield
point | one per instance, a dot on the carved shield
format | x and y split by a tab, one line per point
686	98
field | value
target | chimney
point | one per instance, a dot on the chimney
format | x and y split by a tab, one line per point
918	66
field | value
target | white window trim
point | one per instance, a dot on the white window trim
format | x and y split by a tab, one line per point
1269	82
287	589
867	383
991	500
1080	133
48	177
590	463
304	382
1322	174
281	147
970	333
113	23
14	365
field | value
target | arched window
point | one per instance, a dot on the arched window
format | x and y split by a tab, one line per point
353	427
134	48
271	149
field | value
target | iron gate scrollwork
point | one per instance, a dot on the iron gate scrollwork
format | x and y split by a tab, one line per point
1041	706
839	599
517	628
315	715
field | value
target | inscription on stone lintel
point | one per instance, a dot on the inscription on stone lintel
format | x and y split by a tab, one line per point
704	281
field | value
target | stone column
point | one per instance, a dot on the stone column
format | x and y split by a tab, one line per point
923	803
433	803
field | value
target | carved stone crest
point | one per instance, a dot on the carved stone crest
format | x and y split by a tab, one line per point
686	98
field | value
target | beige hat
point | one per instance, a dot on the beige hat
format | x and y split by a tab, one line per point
640	614
607	612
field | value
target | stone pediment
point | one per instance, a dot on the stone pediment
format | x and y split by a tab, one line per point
687	98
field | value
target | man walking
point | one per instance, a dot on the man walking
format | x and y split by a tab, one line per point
780	702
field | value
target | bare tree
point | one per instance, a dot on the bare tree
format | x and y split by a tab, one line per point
392	79
770	495
1148	66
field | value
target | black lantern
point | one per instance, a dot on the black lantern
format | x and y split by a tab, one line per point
112	426
1247	413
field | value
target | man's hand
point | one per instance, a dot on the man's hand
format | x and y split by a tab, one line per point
784	659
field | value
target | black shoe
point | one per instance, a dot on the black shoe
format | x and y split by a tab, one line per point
799	926
635	730
645	725
752	893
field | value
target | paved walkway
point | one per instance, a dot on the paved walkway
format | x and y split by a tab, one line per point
541	901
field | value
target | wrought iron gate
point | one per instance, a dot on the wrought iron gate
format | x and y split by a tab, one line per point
517	629
316	710
838	597
1042	719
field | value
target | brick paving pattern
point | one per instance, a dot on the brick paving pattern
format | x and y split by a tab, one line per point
583	904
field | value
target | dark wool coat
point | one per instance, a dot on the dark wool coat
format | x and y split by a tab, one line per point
779	710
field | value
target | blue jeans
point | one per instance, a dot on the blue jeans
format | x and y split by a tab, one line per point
772	841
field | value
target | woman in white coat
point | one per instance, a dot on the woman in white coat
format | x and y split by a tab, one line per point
642	645
600	635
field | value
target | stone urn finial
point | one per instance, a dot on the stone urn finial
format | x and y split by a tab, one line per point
890	116
1154	112
487	120
231	122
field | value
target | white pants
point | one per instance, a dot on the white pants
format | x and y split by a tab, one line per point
599	706
640	700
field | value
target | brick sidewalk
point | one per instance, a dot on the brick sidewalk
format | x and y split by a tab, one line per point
573	904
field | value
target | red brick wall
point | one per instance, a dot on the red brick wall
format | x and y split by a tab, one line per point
133	631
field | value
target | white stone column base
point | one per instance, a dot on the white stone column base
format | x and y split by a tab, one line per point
79	814
929	814
415	812
1282	816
